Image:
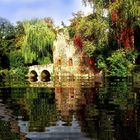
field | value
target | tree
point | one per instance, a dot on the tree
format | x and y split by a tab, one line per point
124	16
123	19
37	41
7	41
20	35
115	34
92	30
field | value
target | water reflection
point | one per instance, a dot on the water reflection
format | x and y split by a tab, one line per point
108	111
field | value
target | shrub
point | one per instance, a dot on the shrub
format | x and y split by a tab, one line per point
44	60
120	63
16	59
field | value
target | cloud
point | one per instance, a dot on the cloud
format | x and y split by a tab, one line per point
59	10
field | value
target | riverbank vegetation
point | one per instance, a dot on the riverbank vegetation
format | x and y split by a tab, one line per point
107	35
29	42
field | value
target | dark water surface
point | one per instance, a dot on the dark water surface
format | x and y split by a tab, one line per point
99	111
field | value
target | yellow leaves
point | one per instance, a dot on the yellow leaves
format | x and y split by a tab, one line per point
136	8
126	7
115	5
85	28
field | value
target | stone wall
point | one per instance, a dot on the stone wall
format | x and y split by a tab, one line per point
68	60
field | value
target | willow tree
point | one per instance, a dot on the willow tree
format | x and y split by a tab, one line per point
37	42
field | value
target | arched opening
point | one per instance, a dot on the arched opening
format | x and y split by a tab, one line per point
70	62
45	76
59	61
33	76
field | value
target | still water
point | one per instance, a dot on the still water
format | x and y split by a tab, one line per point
77	111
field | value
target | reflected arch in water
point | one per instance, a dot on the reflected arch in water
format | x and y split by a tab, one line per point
45	76
33	76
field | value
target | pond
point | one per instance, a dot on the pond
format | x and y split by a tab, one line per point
73	110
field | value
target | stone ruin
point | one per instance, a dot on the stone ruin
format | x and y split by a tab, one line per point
68	60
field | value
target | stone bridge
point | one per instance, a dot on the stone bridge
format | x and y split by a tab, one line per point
40	73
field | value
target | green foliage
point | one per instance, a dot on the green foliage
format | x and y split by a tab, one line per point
30	42
40	103
104	46
116	91
17	70
16	59
7	41
7	36
92	29
15	77
101	27
124	17
18	73
129	10
20	34
45	60
89	48
75	21
120	63
116	63
37	41
101	63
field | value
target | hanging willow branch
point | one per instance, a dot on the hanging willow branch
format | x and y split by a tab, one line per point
37	41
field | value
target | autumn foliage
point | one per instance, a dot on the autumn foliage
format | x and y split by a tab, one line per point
78	42
124	35
114	16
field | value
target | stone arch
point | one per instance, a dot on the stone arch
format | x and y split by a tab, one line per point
45	76
33	76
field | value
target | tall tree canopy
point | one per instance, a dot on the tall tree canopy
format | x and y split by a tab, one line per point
114	48
91	31
7	40
123	18
37	41
7	35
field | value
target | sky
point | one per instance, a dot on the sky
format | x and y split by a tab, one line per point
58	10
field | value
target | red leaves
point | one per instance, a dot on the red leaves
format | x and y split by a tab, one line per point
78	42
91	61
126	43
126	38
115	16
